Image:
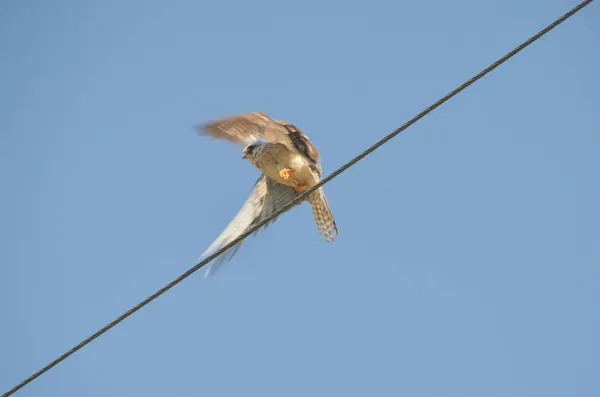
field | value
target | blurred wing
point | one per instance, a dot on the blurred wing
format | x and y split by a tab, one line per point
266	198
245	129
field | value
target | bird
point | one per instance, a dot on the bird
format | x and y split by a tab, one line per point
289	165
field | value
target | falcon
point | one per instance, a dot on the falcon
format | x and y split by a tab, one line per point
289	165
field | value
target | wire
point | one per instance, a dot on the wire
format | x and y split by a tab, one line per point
301	197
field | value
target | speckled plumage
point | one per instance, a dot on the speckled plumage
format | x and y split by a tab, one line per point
290	163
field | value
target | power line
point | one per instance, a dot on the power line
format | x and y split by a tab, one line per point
301	197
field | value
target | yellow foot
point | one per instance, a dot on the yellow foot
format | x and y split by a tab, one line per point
300	187
286	173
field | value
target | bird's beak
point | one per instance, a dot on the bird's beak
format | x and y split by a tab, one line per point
245	153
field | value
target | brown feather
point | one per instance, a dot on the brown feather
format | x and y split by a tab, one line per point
302	143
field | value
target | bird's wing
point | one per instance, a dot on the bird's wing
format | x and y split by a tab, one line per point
267	197
246	128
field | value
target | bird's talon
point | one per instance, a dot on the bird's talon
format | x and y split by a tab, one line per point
300	187
285	173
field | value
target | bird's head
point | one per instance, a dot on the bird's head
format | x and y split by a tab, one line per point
250	152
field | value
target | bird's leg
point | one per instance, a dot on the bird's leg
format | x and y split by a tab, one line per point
300	187
286	173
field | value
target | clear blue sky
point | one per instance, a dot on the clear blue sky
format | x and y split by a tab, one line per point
468	260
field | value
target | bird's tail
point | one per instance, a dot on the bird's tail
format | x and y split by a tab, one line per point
323	216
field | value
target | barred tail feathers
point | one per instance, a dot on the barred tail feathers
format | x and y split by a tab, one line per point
323	216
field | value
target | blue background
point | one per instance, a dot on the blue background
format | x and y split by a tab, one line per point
468	260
